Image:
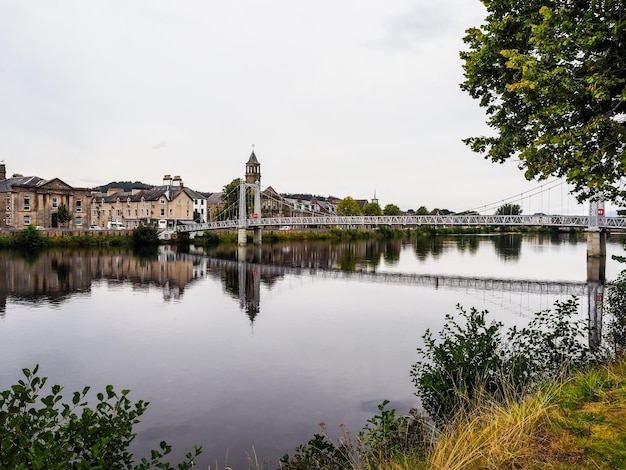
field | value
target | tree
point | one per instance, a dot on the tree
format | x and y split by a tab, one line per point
509	209
372	208
422	211
230	197
392	209
551	76
63	214
348	206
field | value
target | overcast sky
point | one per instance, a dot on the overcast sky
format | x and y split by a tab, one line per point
339	97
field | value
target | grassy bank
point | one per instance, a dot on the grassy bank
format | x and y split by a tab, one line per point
576	423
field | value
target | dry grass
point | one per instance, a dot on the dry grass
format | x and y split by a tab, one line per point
493	436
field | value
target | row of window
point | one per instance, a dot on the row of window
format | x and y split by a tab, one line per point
77	220
55	204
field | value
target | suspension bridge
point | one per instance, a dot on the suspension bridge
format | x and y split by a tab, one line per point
249	214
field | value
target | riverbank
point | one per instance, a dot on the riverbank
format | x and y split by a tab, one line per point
573	424
81	238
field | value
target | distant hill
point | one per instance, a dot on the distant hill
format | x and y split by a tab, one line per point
125	185
306	197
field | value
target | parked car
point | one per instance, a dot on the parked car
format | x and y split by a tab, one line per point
115	225
95	227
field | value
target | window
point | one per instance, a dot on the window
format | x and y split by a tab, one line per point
27	203
8	219
119	212
55	202
162	201
171	212
128	212
27	220
78	220
79	205
162	212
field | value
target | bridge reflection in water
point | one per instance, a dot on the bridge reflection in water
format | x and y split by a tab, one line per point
55	276
250	272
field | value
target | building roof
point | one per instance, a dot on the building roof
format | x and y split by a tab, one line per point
214	199
253	159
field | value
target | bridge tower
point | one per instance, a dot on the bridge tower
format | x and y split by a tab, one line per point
253	169
253	181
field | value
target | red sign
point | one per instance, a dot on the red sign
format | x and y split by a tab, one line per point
255	216
601	211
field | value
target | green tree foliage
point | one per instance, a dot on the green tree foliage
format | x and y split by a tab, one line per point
472	357
392	209
63	214
509	209
422	211
348	206
551	76
230	198
53	433
373	209
29	238
615	312
145	235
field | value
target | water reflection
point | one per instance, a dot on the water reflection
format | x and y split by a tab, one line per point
55	276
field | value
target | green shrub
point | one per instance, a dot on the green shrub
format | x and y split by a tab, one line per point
145	235
29	238
615	311
386	436
52	433
472	358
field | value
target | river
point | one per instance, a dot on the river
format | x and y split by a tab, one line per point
246	351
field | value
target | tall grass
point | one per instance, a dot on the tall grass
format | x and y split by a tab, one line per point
493	435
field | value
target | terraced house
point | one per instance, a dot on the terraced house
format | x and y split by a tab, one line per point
31	200
163	206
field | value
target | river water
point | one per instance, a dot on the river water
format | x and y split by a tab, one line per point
246	351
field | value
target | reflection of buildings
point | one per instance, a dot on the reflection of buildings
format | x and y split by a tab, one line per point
56	275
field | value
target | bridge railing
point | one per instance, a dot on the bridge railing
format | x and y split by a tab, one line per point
579	221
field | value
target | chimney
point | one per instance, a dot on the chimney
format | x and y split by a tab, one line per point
3	171
177	181
167	180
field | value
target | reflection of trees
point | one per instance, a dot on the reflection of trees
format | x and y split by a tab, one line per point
508	246
464	243
348	259
428	245
392	250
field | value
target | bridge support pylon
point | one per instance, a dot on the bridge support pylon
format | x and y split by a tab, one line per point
258	235
242	236
596	244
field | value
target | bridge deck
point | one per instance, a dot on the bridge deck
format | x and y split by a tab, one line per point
573	221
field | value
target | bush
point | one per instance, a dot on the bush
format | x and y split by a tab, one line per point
145	235
475	358
387	436
615	310
49	432
29	238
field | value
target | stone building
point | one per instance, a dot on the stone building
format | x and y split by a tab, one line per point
31	200
163	206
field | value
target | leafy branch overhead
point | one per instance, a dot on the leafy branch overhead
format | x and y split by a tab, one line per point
551	77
